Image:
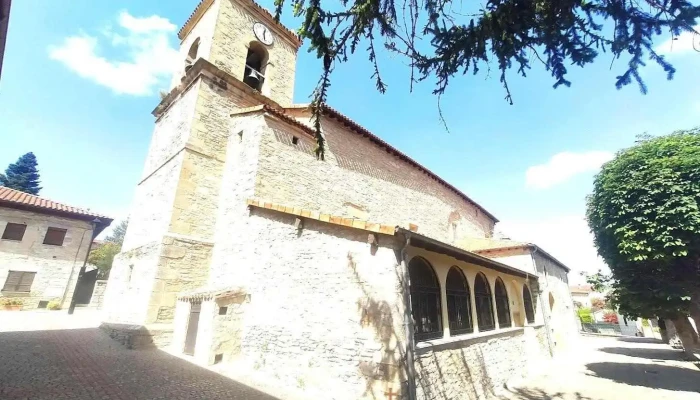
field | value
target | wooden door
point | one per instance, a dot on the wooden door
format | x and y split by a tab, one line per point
192	328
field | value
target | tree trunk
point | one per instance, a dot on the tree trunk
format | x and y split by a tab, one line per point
686	333
664	331
673	339
694	308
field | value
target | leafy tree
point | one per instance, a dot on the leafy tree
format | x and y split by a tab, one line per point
23	175
102	254
645	217
598	303
442	39
118	233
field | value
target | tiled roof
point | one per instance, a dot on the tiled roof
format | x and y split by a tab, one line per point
333	113
580	289
15	198
487	246
204	5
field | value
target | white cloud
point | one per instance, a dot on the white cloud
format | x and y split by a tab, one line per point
563	166
686	42
150	60
567	238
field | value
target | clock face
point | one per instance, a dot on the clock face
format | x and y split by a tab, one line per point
263	33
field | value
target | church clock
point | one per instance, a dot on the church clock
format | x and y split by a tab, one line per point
263	34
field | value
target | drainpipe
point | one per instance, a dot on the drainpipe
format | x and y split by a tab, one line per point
544	314
408	323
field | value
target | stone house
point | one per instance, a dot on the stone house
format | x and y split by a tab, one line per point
345	278
43	247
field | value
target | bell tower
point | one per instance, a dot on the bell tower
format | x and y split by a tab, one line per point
243	39
232	55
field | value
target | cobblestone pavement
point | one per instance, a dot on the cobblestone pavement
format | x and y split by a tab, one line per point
55	356
606	368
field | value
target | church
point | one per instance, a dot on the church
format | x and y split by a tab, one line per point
360	276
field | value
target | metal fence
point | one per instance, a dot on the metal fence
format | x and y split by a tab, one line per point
602	328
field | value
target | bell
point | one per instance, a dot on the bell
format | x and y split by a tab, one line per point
254	75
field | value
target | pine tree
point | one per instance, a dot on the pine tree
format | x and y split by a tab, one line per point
23	175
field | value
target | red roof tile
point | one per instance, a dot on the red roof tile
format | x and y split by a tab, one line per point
15	198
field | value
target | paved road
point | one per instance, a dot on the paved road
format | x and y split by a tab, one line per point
615	369
53	356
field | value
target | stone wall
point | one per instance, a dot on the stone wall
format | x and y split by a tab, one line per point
56	267
360	179
557	302
98	294
203	31
479	367
323	314
234	33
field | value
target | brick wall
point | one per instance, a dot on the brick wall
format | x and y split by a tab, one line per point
358	175
56	267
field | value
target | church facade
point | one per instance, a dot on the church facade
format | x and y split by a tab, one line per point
355	277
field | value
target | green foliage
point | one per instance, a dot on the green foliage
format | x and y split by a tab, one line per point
11	301
646	202
102	255
441	39
585	315
23	175
117	235
645	217
54	305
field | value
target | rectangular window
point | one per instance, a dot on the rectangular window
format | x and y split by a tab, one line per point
55	236
14	231
19	281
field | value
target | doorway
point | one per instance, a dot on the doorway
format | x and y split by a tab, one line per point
192	328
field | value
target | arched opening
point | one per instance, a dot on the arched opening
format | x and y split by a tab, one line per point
551	302
255	62
425	300
517	303
459	305
502	306
527	303
192	55
484	304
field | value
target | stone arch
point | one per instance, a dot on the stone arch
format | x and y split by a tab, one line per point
255	64
192	55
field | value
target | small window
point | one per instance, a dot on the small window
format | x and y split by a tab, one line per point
484	304
425	300
529	309
459	305
55	236
14	231
502	305
192	55
218	358
223	310
43	304
295	140
19	281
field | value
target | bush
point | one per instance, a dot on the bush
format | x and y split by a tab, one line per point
585	315
54	305
10	301
611	318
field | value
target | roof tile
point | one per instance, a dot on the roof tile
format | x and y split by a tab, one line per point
10	197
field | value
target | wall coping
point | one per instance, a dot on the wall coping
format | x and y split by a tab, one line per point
461	341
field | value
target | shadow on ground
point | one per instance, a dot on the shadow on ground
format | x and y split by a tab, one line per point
655	376
85	364
539	394
649	354
634	339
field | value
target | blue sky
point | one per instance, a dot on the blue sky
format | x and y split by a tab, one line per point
80	80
